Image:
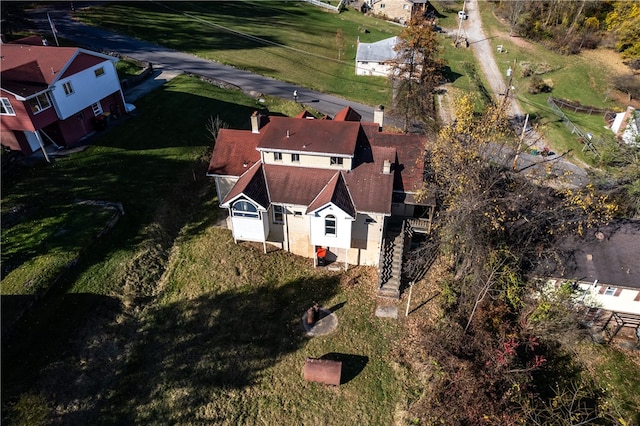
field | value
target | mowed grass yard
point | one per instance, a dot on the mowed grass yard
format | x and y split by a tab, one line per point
164	320
292	41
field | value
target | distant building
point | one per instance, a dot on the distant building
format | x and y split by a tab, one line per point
377	58
626	126
398	10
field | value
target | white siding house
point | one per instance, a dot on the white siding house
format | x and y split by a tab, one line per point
376	59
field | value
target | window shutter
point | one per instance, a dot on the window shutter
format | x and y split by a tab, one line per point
618	291
602	289
637	299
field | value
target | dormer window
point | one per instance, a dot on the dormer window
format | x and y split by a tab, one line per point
244	208
336	161
277	156
295	158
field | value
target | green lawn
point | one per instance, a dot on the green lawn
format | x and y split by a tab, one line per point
165	319
573	77
292	41
127	69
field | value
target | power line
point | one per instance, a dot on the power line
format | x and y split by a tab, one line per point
246	36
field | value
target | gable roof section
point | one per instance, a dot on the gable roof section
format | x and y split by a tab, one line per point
81	62
24	80
309	136
21	61
380	51
337	193
252	185
370	188
234	152
348	114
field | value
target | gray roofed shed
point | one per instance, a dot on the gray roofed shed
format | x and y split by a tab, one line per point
380	51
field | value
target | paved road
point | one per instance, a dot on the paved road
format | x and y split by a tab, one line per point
169	59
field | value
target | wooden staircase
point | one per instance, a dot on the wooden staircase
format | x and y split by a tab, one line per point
391	257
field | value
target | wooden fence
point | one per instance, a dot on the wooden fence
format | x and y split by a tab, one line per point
587	139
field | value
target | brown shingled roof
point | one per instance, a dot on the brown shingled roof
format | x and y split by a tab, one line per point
252	184
234	152
347	114
370	189
295	185
410	155
365	188
337	193
309	136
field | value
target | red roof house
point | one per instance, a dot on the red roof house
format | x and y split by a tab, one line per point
338	184
54	95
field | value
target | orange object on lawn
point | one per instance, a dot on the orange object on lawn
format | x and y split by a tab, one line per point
321	252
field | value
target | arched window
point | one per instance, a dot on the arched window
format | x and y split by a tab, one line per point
245	209
330	225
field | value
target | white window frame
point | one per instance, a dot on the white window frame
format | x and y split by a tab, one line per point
330	225
99	72
381	5
244	208
277	156
610	291
336	161
36	104
278	213
295	158
68	88
97	109
7	108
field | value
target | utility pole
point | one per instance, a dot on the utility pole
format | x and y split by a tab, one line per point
53	29
459	37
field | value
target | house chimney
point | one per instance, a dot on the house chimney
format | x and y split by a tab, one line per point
378	115
287	133
255	122
386	167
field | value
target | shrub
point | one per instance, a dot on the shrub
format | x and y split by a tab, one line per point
538	85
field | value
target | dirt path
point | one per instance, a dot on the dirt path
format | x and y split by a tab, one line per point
483	51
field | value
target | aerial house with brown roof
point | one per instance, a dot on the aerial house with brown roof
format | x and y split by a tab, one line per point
310	186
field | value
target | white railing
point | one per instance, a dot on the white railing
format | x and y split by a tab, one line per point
419	224
326	5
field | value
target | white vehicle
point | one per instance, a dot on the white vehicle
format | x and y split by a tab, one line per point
462	15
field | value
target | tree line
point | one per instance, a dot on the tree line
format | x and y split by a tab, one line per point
570	26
